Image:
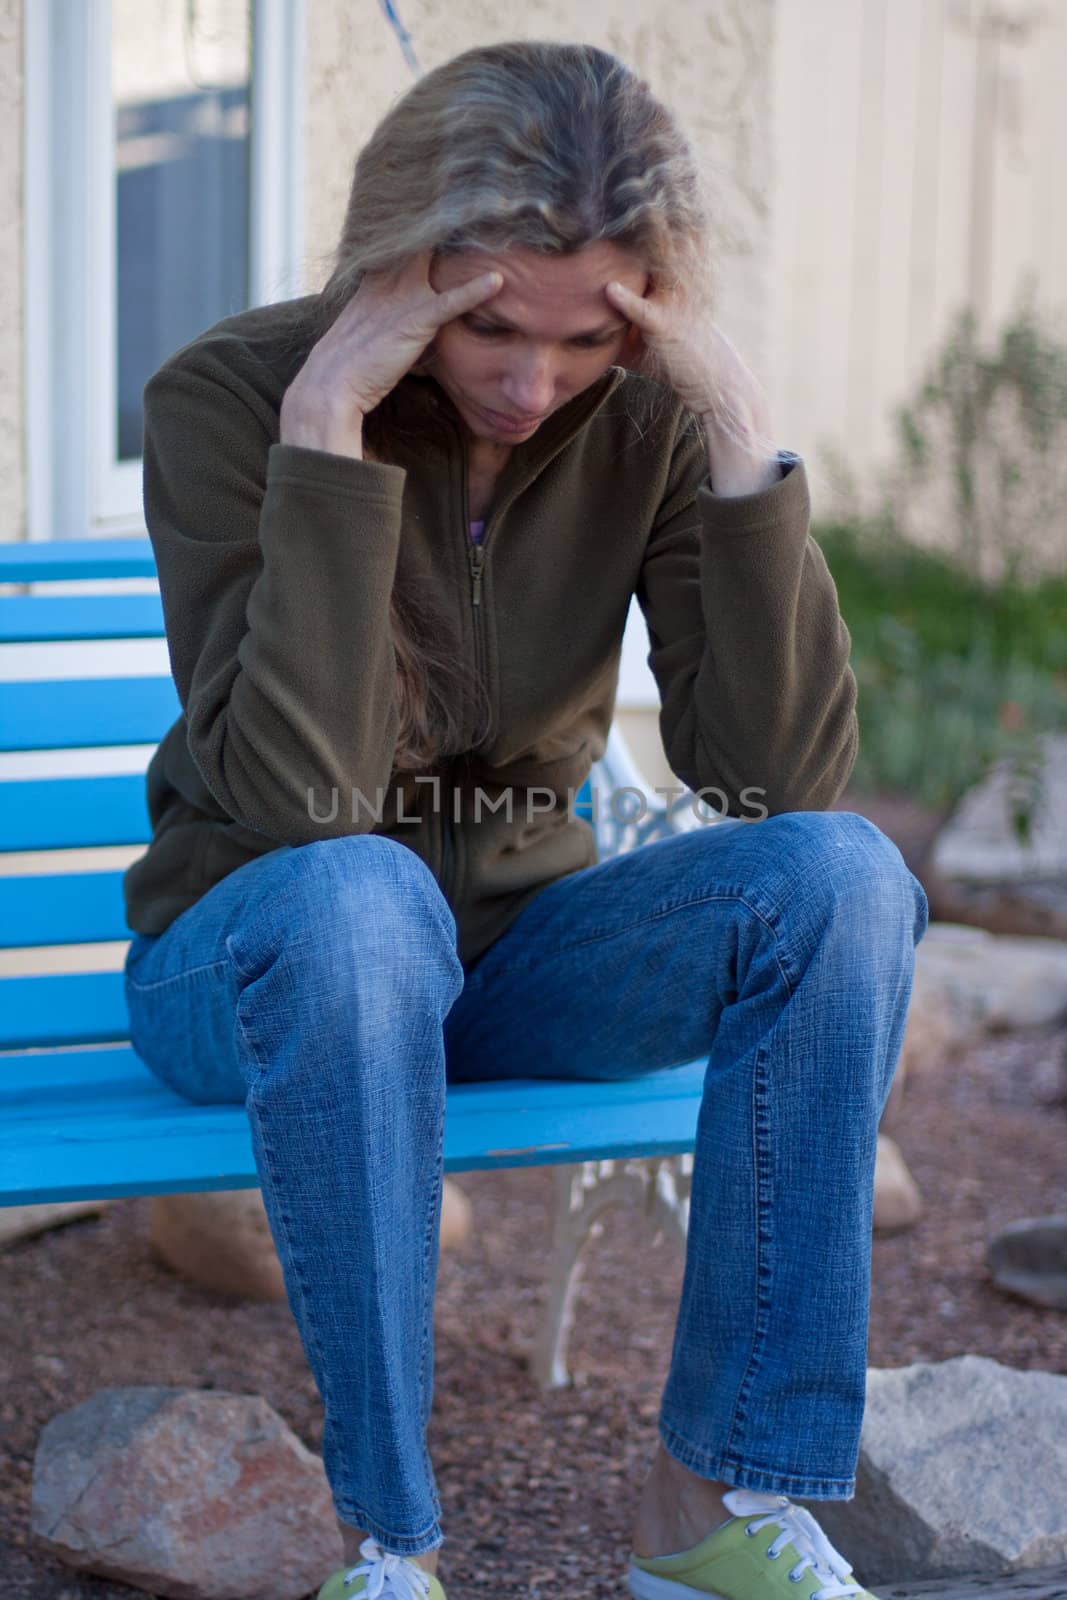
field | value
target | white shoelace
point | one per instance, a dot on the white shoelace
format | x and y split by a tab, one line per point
390	1576
800	1529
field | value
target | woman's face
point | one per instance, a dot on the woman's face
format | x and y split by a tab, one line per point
548	333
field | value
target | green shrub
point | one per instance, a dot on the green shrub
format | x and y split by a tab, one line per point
953	674
955	591
981	470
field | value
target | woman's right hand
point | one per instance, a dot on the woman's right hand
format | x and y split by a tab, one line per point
380	334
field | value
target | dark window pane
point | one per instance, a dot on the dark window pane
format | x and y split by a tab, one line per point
182	184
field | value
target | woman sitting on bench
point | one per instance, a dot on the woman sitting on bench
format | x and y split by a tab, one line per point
398	525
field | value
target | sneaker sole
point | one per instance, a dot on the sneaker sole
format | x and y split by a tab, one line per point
649	1586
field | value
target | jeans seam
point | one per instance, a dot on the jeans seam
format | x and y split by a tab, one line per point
425	1377
305	1319
174	977
763	1272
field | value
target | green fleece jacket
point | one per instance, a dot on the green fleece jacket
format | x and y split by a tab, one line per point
276	563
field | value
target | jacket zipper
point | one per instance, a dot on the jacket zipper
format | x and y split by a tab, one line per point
475	564
475	561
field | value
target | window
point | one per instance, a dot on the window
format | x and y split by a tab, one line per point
181	160
163	193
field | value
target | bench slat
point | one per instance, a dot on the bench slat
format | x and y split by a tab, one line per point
30	1078
65	559
61	908
26	619
63	1008
115	1131
27	1076
75	713
73	813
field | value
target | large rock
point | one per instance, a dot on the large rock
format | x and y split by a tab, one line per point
1036	909
1046	1583
948	1009
979	844
21	1222
969	982
222	1240
979	871
994	981
191	1494
455	1216
897	1201
936	1031
1029	1258
962	1471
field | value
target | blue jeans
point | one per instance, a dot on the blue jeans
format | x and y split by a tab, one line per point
320	986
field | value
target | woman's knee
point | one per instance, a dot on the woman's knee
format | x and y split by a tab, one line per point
847	868
839	865
356	896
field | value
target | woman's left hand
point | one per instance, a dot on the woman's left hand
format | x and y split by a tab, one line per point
695	357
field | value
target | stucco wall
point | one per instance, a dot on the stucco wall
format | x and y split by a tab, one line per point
12	382
919	167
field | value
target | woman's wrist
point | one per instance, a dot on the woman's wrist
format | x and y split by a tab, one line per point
316	434
738	465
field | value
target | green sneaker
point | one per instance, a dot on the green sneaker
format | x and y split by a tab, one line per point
740	1559
381	1576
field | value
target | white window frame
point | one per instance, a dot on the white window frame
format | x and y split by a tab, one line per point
76	487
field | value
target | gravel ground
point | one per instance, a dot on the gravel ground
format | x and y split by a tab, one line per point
538	1491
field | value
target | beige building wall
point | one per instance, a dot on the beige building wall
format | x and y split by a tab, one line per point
918	168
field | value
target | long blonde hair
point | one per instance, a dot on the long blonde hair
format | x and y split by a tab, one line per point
536	144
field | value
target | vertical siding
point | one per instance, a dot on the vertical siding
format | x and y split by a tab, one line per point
918	168
924	180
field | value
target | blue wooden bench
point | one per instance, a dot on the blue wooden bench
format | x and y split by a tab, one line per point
81	1117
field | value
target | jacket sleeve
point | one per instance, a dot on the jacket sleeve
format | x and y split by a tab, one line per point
748	647
276	565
